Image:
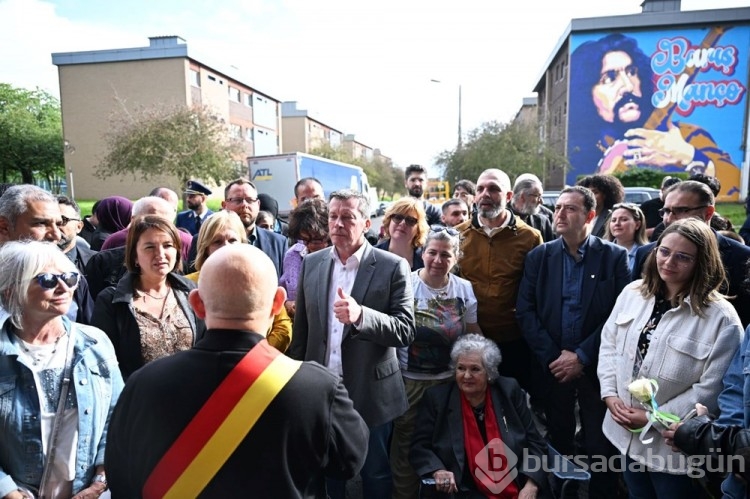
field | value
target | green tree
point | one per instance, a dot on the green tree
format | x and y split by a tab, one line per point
31	141
182	142
515	148
378	173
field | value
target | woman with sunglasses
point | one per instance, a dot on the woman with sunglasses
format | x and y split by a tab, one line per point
626	227
445	309
675	328
308	225
59	380
405	228
220	229
147	315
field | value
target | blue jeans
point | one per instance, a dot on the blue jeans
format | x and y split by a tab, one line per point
658	485
376	472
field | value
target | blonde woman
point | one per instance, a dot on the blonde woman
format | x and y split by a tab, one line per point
406	228
222	228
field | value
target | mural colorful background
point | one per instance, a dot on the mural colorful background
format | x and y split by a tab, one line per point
671	100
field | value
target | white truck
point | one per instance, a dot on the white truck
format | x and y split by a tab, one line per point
277	174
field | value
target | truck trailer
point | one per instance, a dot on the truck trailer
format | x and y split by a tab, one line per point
276	175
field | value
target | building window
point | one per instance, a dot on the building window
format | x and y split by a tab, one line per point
212	77
249	134
235	131
234	94
248	100
195	78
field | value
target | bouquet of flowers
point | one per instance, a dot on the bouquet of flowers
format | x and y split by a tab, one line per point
644	390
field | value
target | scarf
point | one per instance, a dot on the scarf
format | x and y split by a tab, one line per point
481	457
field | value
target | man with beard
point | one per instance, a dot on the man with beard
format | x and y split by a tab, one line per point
415	180
192	219
617	126
74	248
494	243
527	203
29	213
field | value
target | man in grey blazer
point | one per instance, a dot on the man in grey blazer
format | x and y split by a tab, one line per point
354	308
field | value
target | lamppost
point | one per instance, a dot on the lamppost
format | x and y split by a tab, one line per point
460	140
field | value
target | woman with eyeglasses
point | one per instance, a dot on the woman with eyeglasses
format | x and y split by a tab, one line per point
445	309
147	315
308	225
405	228
59	381
675	328
222	228
626	227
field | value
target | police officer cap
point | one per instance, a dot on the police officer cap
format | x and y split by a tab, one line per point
195	187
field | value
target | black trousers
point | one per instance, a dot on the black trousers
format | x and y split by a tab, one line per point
559	402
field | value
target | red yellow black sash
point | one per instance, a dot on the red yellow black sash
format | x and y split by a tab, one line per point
221	424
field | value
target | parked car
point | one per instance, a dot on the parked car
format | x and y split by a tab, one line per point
636	195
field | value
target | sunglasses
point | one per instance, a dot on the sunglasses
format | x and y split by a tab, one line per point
49	280
410	221
435	229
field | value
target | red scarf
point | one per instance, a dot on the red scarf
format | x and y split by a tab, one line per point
482	457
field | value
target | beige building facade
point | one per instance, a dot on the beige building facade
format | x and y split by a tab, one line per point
99	87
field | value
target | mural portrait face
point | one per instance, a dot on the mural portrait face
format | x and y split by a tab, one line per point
617	94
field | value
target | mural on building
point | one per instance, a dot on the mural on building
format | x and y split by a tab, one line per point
673	100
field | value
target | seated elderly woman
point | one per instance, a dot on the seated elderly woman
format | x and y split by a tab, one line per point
456	422
222	228
59	380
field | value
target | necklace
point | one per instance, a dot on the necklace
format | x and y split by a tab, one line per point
440	292
41	352
157	297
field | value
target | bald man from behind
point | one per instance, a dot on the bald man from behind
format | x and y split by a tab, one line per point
232	416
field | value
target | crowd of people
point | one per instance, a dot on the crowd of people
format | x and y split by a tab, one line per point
146	352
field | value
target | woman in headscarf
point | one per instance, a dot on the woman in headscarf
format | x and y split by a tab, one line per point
113	214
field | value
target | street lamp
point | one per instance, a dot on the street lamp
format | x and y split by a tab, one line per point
458	147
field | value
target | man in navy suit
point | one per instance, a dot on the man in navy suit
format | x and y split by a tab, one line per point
241	197
568	289
192	219
695	199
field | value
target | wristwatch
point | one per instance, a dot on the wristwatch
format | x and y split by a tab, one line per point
100	478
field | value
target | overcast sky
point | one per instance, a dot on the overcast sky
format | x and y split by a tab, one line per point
363	67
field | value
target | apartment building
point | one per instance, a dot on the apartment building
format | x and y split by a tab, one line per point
97	86
303	132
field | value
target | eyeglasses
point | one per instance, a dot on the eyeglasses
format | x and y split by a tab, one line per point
247	200
436	229
679	210
398	218
681	259
314	240
66	220
49	280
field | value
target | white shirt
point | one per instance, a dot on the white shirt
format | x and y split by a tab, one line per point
342	276
490	231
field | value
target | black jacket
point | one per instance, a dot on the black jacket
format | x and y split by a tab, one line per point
113	314
438	441
309	431
105	269
699	436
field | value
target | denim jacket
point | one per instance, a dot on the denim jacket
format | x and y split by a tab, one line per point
734	405
97	384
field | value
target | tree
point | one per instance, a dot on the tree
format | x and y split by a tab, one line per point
183	142
31	141
515	148
379	174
